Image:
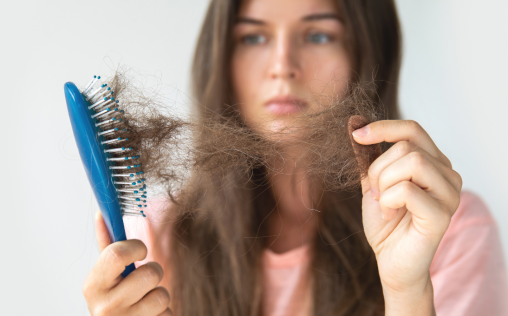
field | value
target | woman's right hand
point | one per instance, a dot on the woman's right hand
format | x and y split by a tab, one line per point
108	293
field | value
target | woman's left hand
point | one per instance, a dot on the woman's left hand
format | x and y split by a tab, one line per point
409	197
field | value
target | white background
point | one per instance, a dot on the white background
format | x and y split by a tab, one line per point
453	82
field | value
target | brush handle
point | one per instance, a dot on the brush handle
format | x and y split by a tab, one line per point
96	166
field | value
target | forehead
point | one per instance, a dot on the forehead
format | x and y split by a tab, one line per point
277	10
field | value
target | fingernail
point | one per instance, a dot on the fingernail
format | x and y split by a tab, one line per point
362	132
382	215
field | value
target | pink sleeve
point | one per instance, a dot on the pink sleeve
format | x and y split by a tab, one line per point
468	271
154	231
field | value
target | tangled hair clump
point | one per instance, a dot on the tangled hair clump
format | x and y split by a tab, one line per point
172	148
216	169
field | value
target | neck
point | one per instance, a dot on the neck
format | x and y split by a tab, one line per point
294	221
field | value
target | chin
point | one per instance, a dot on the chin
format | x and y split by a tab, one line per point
279	129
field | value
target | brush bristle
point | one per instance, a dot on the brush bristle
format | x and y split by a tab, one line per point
125	170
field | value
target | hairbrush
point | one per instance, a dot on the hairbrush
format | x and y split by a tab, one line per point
116	177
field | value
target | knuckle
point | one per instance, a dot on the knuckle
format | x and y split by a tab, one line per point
403	148
446	161
414	126
161	297
407	188
87	289
459	180
108	305
152	273
115	254
167	312
136	243
156	301
101	310
122	253
90	287
383	181
373	172
417	159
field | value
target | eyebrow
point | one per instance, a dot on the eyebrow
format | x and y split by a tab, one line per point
321	16
242	20
312	17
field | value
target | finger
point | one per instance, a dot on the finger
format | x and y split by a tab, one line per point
101	231
428	215
427	173
400	150
167	312
138	283
365	155
393	154
154	303
115	258
399	130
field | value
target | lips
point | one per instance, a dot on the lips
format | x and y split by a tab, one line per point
285	105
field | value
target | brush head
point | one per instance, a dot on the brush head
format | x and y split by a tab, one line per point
114	173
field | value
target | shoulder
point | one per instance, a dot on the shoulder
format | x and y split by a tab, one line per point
471	225
468	271
472	210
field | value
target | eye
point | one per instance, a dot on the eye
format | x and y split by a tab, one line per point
318	38
253	39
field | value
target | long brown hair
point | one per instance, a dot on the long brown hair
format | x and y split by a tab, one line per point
216	270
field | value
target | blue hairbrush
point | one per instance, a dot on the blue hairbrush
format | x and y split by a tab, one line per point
115	177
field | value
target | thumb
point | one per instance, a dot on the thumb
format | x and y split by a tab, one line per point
101	232
365	154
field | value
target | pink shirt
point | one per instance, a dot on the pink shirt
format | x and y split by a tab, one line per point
468	271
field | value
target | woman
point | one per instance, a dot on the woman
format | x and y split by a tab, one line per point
268	58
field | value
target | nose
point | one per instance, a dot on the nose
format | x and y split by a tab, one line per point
284	61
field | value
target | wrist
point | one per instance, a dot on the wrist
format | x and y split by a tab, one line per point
416	300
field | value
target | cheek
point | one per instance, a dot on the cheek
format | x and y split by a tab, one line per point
240	83
326	72
246	77
237	75
246	74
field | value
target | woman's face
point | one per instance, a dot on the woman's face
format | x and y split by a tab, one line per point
289	58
